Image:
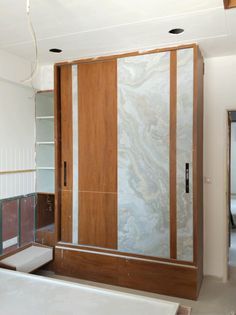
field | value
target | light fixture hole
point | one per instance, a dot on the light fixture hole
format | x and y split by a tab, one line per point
55	50
176	31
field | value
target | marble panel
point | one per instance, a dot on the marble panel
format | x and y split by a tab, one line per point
143	154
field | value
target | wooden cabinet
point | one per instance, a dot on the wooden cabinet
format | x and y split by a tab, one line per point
129	169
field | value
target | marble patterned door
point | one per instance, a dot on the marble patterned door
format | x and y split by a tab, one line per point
143	154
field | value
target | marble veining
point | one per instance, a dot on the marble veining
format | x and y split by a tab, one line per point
184	153
143	154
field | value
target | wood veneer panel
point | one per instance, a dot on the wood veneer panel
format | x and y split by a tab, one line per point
66	126
66	216
198	162
66	184
45	210
57	132
98	219
173	122
180	281
27	219
229	4
10	222
97	87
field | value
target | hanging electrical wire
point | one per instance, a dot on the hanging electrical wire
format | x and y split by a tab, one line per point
33	34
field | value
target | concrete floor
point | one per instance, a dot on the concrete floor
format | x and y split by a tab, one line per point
216	297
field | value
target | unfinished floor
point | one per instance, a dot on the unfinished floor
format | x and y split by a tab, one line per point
216	298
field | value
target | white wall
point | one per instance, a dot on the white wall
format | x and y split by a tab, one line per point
220	96
44	78
233	158
17	127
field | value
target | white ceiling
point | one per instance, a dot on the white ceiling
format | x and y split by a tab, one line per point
84	28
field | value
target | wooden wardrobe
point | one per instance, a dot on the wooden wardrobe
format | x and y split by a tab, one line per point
129	153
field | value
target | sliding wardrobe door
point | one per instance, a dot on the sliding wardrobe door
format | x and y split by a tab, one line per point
143	154
97	85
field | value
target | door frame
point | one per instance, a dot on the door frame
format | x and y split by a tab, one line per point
228	195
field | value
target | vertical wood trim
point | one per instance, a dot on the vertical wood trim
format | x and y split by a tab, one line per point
194	174
66	153
198	164
172	159
57	132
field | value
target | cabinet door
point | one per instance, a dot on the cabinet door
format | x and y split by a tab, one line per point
143	154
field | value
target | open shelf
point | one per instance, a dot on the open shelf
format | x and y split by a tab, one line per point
45	117
45	142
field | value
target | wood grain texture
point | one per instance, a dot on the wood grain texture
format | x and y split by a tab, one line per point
172	159
97	87
57	133
45	236
98	219
174	280
45	210
27	219
66	216
198	163
66	152
66	126
229	4
126	254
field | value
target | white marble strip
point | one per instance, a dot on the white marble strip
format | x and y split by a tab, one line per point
184	147
75	208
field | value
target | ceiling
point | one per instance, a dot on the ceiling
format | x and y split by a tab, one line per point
85	28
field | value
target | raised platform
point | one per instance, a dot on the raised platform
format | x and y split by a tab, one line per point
27	258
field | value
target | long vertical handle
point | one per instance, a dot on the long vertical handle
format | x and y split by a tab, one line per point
65	173
187	178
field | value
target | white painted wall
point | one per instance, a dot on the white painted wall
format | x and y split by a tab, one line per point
17	127
233	158
220	96
44	78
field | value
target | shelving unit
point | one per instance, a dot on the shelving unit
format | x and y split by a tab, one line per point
44	143
45	167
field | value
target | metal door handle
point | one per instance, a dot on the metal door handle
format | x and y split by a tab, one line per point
187	178
65	173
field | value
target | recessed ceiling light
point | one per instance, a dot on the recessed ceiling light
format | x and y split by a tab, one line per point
55	50
176	31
